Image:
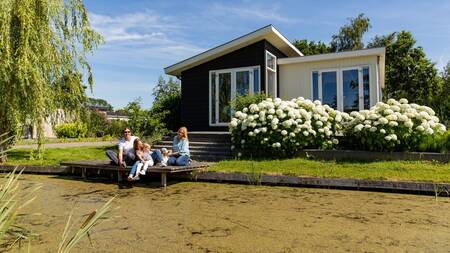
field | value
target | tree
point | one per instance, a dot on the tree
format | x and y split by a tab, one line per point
43	48
167	102
144	122
350	36
409	74
166	88
99	102
442	101
311	47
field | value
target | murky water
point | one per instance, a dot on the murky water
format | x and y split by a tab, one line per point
204	217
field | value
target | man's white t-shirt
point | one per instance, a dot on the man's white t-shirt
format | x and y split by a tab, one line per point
127	146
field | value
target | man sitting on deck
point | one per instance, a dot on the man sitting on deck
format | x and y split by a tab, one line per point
126	155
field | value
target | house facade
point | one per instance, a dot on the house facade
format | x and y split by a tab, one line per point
265	61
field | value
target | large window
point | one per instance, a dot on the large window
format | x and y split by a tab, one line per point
271	74
224	86
346	89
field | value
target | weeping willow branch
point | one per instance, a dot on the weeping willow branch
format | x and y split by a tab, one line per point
43	60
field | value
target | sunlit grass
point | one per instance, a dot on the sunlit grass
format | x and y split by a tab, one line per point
54	156
384	170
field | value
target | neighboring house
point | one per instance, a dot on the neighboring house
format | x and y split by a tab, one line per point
265	61
109	114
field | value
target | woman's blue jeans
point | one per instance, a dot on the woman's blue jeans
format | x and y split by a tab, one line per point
179	161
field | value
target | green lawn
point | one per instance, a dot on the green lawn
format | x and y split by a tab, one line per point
387	170
53	156
67	140
391	170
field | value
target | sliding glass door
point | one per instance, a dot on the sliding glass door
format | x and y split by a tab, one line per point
226	85
343	89
350	88
329	88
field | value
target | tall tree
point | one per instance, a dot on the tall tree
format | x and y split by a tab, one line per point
166	88
409	74
350	36
442	100
311	47
43	48
167	102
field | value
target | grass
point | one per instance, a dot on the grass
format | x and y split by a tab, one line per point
383	170
380	170
54	156
66	140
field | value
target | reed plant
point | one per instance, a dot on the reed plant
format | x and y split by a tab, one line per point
13	198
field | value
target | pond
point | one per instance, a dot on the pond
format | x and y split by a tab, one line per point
207	217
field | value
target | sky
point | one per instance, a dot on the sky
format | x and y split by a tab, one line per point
144	36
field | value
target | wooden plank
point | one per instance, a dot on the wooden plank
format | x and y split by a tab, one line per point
105	165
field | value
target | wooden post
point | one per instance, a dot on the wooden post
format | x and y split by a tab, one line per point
164	179
83	172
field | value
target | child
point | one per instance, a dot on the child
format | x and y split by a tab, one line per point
165	152
143	155
146	160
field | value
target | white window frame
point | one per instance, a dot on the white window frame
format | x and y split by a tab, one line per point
233	89
275	90
340	84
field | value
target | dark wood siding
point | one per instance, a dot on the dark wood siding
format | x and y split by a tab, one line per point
195	83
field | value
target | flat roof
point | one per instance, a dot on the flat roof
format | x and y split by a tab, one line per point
268	33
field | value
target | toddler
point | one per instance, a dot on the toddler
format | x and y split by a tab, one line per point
144	161
165	153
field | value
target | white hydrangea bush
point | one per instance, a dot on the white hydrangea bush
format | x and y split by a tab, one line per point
395	125
284	127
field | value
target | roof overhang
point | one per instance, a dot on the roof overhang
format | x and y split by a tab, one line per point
380	51
268	33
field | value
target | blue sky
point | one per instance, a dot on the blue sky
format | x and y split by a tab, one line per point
143	37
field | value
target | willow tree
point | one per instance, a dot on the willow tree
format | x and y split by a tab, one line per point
43	60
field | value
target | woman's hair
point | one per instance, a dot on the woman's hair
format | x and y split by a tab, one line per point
184	132
136	144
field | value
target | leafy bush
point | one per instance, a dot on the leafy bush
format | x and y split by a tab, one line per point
168	108
240	102
281	127
71	130
436	143
143	122
395	125
116	127
97	124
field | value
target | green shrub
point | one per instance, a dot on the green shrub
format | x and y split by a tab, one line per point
240	102
394	126
145	122
436	143
116	127
71	130
97	124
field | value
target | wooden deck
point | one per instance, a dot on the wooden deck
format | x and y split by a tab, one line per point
97	166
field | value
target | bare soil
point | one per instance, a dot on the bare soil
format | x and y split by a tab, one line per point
205	217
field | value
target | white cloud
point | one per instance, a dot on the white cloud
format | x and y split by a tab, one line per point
251	11
141	39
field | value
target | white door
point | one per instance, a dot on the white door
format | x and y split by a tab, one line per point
225	86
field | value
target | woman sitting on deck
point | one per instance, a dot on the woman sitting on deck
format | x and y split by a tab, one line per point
180	155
